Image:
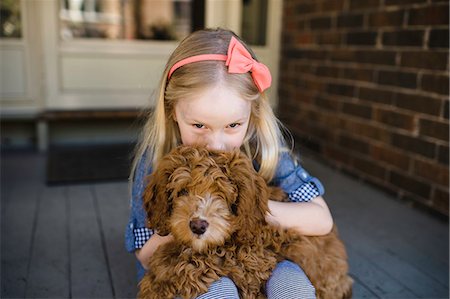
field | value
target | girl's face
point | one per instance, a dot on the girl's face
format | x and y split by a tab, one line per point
217	117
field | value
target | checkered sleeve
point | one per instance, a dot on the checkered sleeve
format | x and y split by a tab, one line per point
305	192
141	235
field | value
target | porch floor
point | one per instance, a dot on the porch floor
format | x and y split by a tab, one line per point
67	241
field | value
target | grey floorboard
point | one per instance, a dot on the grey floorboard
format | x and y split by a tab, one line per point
49	267
113	209
377	279
89	271
383	234
18	217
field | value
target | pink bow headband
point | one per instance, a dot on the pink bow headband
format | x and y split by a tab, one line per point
238	60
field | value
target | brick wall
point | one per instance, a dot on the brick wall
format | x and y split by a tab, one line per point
364	84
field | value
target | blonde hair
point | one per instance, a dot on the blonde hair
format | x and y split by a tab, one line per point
264	139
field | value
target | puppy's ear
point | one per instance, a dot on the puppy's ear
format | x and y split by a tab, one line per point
157	204
163	184
253	192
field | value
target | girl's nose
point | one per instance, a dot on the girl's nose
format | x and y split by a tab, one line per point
216	142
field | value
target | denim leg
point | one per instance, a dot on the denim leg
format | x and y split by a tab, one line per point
289	281
224	288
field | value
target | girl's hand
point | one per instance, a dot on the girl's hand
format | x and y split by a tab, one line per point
145	253
312	218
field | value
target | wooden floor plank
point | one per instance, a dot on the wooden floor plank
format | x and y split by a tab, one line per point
360	290
113	206
49	268
414	280
377	280
89	272
17	222
411	244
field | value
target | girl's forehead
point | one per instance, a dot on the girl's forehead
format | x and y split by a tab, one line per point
214	103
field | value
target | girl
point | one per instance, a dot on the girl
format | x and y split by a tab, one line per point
212	92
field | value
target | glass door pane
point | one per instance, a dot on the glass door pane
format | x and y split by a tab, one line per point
128	19
10	19
254	21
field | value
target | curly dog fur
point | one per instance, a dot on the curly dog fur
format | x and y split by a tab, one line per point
214	204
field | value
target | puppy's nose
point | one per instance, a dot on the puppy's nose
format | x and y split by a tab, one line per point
198	226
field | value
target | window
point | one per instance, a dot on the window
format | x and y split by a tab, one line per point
130	19
10	19
254	21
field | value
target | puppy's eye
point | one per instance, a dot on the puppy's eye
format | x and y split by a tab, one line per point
234	208
183	192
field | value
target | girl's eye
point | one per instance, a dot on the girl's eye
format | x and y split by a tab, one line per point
234	125
199	126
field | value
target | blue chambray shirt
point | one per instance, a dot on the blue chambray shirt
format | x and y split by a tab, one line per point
289	176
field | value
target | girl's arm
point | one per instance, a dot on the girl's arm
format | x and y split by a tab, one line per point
312	218
145	253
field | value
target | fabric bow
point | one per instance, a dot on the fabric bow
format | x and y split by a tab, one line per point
239	61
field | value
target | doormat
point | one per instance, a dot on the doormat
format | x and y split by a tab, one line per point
88	163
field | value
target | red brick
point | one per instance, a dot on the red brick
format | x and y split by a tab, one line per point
406	182
358	4
396	158
364	129
395	119
329	38
306	8
363	38
435	83
328	103
376	95
304	38
410	38
331	5
386	18
341	89
357	110
429	15
358	74
438	38
328	71
443	154
414	145
440	200
434	128
380	57
433	60
396	78
371	168
353	144
350	21
419	104
320	23
431	171
337	154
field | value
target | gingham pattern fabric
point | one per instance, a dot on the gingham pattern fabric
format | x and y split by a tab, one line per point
306	192
287	281
141	235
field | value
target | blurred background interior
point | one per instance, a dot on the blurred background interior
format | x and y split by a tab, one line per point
362	85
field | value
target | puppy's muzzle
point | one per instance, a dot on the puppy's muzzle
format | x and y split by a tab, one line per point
198	226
